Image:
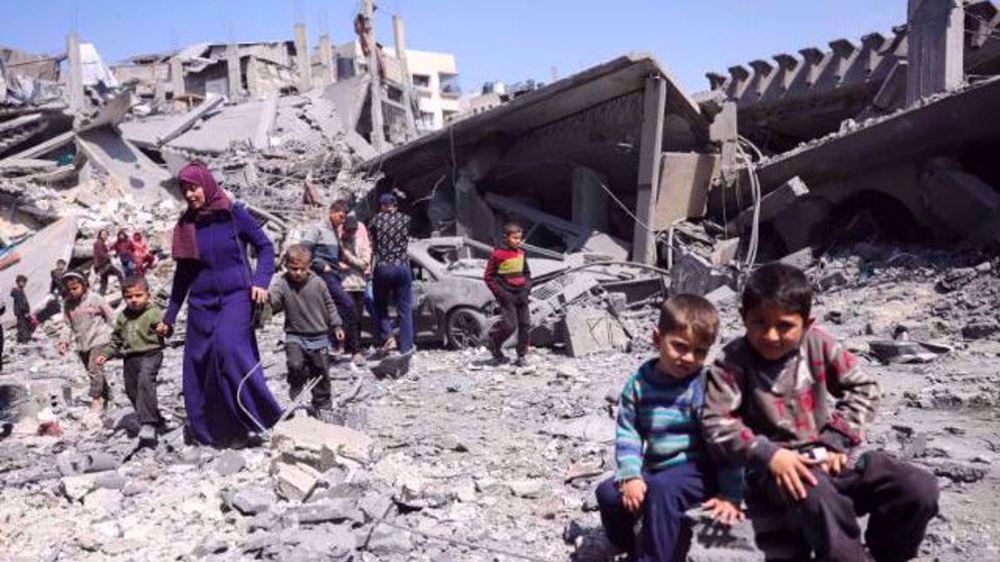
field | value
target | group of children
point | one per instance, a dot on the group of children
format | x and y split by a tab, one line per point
774	422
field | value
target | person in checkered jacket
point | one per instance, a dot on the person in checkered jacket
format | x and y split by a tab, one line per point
790	404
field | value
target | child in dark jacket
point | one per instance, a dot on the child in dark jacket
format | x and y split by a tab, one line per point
310	317
509	279
22	310
664	467
789	403
135	340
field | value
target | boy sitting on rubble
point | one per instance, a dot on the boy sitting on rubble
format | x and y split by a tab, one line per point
310	317
89	319
789	403
663	466
135	339
509	279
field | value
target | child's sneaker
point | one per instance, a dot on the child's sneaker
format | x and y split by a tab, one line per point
147	434
498	357
521	361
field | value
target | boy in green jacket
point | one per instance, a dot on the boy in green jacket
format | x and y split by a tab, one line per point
135	339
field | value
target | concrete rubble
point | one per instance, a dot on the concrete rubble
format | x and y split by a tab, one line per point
869	165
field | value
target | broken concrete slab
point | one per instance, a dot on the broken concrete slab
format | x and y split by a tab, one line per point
25	166
134	172
590	331
685	180
771	205
295	482
37	255
595	428
318	444
693	274
251	500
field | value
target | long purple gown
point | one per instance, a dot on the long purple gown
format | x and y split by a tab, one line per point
220	348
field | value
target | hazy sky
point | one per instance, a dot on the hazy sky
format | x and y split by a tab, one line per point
507	40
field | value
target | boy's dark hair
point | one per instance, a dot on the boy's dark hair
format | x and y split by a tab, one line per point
20	279
781	285
298	252
340	205
691	314
510	227
135	282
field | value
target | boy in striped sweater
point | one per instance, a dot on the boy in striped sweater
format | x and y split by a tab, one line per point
663	466
509	279
789	403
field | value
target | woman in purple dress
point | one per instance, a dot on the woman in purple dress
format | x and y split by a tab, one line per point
225	394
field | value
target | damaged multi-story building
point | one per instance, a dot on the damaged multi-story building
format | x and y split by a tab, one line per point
888	136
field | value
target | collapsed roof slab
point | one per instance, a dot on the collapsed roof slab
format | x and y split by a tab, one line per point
941	125
37	256
137	174
559	100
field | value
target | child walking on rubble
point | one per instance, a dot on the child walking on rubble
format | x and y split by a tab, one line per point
135	340
310	318
789	403
22	310
509	279
89	319
663	464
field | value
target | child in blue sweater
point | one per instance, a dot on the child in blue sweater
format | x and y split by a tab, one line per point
663	465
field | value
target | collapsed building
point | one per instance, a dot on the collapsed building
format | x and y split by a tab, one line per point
885	138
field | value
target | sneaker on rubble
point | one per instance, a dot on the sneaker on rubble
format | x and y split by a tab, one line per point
521	361
147	433
498	357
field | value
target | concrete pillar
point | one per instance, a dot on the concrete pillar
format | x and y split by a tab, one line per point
654	107
176	77
935	47
74	76
253	77
399	36
326	56
590	201
302	57
233	65
378	125
159	85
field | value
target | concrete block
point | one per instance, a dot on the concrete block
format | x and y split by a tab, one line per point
772	204
251	500
335	510
590	331
317	444
229	462
725	251
723	295
713	542
386	541
593	427
295	482
685	179
75	488
694	274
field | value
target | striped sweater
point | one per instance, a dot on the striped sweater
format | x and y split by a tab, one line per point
819	394
658	427
507	270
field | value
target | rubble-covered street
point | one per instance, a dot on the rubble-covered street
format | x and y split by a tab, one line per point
472	457
870	165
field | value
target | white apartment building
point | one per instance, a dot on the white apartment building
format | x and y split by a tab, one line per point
434	77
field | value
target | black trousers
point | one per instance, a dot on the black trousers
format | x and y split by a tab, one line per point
514	314
304	365
105	271
345	308
900	498
141	371
23	329
1	349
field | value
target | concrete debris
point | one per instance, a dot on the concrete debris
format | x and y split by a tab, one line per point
295	482
318	444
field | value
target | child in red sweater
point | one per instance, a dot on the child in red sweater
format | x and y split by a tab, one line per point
508	277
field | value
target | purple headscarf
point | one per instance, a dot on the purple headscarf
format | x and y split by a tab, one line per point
185	241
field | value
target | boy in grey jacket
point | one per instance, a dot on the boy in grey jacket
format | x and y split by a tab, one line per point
89	318
310	318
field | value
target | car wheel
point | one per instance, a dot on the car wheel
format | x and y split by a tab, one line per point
466	327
